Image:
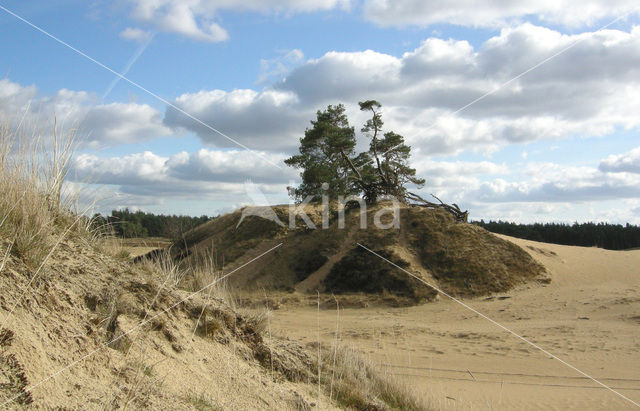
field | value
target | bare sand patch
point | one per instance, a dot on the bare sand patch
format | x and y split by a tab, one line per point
588	316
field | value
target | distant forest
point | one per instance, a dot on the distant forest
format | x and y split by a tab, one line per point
609	236
130	224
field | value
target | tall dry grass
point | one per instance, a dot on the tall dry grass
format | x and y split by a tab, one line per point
34	207
199	273
353	382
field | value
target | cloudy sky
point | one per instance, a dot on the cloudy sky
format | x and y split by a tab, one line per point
516	110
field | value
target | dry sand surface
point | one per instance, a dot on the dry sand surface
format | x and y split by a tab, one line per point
140	246
589	316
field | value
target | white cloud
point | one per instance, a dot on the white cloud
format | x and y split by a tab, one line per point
228	166
268	120
276	68
347	76
132	169
102	124
627	162
221	174
116	123
590	89
537	192
207	180
196	18
491	13
454	177
182	170
138	35
445	168
200	19
551	183
612	211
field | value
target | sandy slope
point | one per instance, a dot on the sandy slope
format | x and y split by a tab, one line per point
589	316
84	298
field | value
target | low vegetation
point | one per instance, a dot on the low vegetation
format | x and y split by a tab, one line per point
363	272
353	382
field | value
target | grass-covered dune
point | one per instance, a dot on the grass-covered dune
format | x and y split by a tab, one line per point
459	258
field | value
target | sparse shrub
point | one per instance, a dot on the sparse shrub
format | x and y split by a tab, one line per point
258	321
6	337
124	254
164	265
210	326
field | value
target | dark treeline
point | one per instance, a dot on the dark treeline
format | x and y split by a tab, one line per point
609	236
129	224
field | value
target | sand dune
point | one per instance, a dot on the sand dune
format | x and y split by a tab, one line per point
589	316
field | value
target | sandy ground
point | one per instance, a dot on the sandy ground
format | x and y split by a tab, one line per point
140	246
589	316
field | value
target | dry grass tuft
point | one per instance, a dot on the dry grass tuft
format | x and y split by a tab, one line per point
163	264
355	384
35	208
199	273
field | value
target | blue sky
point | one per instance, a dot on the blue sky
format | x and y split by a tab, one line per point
559	143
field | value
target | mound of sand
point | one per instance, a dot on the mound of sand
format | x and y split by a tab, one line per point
462	259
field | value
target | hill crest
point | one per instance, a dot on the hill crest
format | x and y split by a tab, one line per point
460	258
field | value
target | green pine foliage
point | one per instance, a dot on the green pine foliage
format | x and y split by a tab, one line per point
387	171
330	166
322	156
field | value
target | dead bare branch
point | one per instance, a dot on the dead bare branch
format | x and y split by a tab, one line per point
460	216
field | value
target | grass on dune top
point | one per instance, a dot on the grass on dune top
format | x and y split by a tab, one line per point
462	258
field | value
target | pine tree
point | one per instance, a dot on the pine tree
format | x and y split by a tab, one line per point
327	156
324	153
